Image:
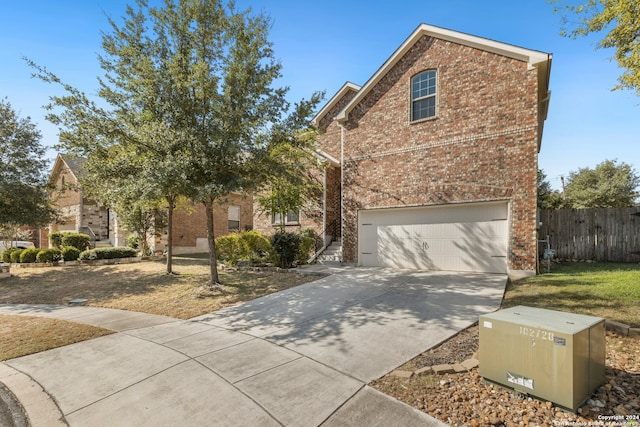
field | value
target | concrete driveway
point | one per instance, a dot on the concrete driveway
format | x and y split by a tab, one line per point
301	357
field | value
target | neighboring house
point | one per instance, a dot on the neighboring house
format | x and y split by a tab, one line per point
433	161
190	224
78	213
81	214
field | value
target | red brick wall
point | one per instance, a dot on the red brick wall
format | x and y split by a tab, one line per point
331	136
481	146
190	223
333	200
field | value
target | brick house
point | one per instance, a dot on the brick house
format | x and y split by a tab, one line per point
433	161
78	213
81	214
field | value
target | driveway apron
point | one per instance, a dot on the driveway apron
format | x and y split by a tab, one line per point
301	357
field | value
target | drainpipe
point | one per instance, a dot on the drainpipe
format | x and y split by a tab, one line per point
324	206
80	212
342	134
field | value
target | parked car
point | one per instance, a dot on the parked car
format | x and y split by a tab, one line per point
22	244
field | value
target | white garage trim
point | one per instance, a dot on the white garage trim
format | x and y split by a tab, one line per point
461	237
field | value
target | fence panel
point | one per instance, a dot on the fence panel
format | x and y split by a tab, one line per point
598	234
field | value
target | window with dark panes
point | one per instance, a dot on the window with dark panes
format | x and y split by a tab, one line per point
233	218
423	95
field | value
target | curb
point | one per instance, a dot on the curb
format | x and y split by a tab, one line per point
622	329
467	365
40	408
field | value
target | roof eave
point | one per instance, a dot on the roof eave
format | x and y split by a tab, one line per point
334	99
532	57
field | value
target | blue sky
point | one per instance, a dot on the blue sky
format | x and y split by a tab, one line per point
324	44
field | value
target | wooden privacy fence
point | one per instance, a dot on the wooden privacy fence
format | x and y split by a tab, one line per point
598	234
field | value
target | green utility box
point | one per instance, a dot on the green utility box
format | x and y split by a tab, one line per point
553	355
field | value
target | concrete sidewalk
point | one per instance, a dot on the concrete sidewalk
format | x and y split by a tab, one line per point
301	357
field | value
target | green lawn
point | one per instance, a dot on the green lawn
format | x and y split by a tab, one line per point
606	290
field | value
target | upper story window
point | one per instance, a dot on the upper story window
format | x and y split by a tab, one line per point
423	95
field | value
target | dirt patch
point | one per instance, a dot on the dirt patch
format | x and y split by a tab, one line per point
145	287
22	335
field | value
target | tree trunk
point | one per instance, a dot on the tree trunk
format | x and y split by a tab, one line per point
213	262
171	201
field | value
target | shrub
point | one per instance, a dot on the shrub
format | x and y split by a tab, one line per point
6	255
248	245
49	255
77	240
255	246
29	255
307	243
286	246
15	255
69	253
133	241
228	248
55	239
108	253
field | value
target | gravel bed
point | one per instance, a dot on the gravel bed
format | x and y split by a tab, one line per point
464	399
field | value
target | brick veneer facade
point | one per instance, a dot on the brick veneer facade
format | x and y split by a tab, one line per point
190	224
75	210
481	146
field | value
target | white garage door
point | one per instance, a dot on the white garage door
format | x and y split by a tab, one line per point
466	237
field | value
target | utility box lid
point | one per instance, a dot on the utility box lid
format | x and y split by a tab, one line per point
551	320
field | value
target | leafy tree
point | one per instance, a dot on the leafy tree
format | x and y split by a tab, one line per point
190	96
620	19
609	185
291	186
23	196
290	182
547	198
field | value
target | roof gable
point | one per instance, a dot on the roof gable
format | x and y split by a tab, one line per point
335	99
73	163
535	59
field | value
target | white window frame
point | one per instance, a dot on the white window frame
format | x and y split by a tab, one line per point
293	218
434	95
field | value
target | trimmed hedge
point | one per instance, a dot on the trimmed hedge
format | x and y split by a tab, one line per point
70	253
6	255
15	255
245	246
77	240
55	239
108	253
49	255
28	256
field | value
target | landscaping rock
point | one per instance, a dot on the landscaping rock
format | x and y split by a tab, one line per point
442	369
470	364
617	327
402	374
424	371
457	367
